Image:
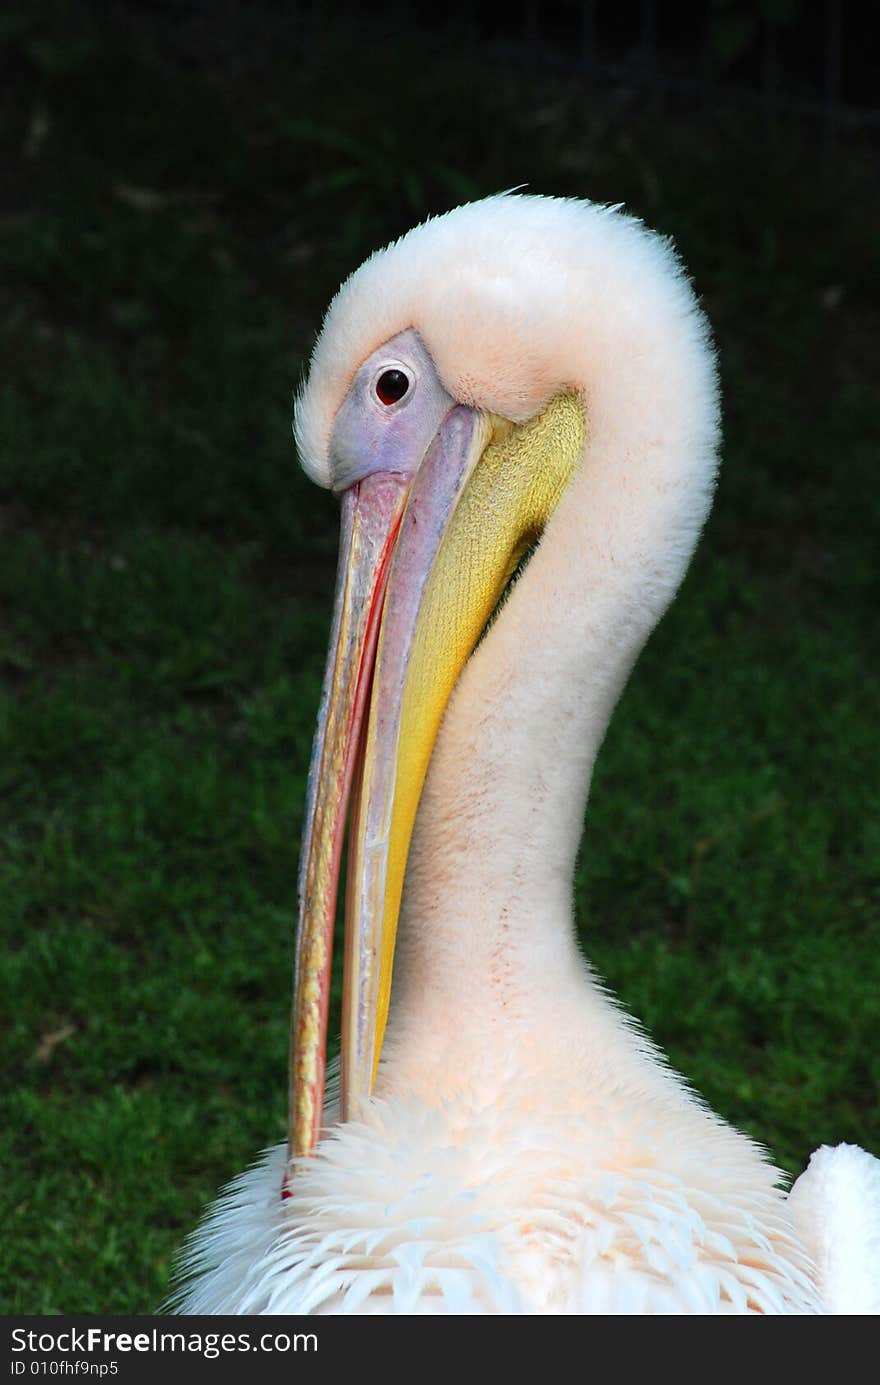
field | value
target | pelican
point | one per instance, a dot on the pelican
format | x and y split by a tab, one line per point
517	406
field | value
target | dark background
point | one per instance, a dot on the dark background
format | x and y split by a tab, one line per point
183	186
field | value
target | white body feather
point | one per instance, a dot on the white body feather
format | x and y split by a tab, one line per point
482	1205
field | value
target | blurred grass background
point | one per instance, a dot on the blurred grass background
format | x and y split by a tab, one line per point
182	190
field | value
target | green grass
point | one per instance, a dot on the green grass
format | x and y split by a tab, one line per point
165	580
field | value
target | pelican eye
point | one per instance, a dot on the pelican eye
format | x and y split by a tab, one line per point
391	386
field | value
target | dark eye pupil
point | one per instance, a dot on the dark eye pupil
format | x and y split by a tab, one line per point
391	386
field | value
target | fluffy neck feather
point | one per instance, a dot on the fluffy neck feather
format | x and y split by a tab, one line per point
486	931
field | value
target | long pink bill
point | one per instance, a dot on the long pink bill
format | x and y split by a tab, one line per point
371	515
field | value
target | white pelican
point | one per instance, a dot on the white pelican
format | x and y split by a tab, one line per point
524	372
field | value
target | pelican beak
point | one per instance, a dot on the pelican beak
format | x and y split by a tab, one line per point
423	565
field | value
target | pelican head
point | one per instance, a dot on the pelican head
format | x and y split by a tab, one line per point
523	374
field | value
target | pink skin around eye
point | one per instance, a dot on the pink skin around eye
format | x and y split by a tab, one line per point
373	434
